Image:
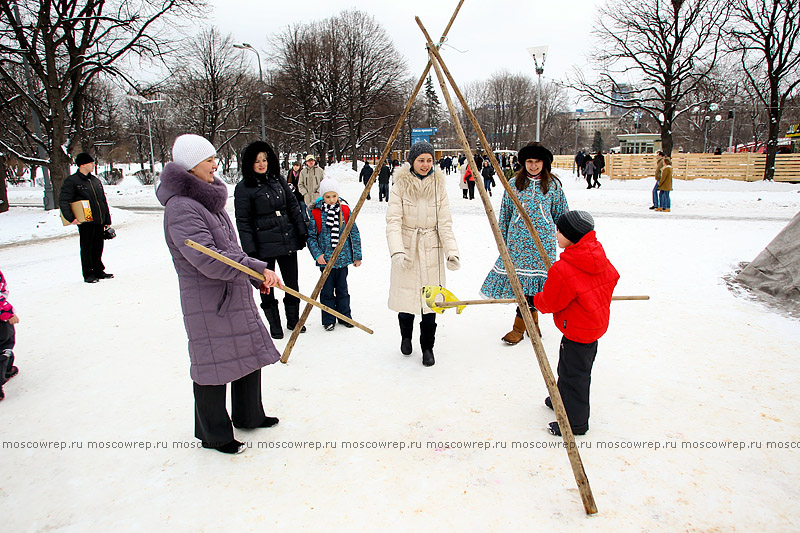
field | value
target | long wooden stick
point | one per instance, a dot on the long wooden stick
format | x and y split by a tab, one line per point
558	405
287	351
258	275
513	301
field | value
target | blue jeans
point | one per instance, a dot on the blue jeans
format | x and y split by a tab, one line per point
663	199
335	295
655	194
383	191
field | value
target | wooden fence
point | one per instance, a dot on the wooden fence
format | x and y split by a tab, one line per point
742	167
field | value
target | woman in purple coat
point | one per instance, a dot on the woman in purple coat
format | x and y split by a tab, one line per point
228	342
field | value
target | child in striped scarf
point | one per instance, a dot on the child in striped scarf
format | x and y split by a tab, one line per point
329	216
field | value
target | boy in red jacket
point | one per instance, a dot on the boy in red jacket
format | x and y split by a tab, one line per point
578	292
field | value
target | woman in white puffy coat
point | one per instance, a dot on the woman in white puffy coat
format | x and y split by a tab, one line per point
419	232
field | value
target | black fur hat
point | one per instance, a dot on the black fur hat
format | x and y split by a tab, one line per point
536	150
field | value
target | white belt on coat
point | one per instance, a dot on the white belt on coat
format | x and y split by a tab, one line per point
416	232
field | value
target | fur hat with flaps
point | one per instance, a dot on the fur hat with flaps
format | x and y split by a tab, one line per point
249	155
536	150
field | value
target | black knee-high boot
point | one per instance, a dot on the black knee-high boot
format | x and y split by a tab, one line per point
274	319
293	316
406	331
427	336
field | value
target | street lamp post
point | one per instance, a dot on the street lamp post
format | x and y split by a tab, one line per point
248	46
539	54
712	107
732	116
145	103
636	115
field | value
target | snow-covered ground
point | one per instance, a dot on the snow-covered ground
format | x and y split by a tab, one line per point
694	399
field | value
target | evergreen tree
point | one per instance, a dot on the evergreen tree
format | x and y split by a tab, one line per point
432	103
597	143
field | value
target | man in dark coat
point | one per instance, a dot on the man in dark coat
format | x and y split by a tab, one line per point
580	162
383	182
366	174
84	186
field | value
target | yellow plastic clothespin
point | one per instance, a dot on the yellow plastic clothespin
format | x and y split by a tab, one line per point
429	294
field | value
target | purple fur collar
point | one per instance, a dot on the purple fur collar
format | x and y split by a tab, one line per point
177	182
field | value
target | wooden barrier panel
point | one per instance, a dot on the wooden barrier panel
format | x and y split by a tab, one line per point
743	167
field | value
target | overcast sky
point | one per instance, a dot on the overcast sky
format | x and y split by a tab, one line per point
487	36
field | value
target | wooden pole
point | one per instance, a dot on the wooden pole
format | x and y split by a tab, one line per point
287	351
258	275
458	303
558	405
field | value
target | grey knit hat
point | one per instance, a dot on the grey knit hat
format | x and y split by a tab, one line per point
419	148
575	224
190	150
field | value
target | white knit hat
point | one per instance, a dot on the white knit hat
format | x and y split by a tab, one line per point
190	150
328	185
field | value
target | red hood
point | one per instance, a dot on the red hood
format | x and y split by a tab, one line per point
587	255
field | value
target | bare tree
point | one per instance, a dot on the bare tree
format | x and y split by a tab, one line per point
660	49
337	78
767	34
66	44
209	88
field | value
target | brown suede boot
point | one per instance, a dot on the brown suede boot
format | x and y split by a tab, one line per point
517	333
536	321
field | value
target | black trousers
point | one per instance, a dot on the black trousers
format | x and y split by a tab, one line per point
6	343
335	295
575	360
212	425
91	237
471	188
288	266
7	335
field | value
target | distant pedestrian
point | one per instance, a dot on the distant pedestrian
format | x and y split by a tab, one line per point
580	159
599	168
83	185
665	186
659	167
365	175
588	170
383	182
487	172
310	177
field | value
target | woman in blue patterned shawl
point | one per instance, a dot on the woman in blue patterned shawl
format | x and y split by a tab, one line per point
543	197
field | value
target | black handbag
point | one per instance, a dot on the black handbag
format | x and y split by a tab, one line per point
109	233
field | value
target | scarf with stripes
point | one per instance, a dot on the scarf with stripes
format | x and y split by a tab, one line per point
332	221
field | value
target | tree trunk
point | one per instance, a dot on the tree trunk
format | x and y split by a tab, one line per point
772	138
3	190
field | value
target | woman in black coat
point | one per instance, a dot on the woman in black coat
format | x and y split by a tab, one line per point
271	227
